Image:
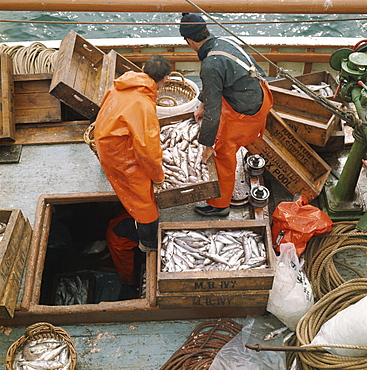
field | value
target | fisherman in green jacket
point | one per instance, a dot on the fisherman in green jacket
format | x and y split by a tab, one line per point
235	100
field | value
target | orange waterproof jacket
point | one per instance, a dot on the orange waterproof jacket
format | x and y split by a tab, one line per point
121	249
127	136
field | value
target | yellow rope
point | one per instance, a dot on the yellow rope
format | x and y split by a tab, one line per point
320	265
35	58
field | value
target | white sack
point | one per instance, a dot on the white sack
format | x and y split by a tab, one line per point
291	295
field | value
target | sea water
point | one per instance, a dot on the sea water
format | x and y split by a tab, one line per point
95	25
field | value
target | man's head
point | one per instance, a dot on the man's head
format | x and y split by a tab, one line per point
196	32
158	68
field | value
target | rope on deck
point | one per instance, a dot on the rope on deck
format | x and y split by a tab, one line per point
200	349
327	307
319	262
35	58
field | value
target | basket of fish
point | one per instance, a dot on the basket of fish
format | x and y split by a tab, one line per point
187	179
42	346
206	263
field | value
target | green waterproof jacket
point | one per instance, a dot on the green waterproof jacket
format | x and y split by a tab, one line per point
223	77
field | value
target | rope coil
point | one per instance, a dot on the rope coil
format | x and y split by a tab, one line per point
32	59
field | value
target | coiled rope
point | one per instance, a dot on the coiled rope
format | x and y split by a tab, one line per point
198	352
320	264
35	58
328	306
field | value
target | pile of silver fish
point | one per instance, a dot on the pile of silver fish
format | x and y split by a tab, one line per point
41	354
322	89
182	155
72	291
205	250
2	230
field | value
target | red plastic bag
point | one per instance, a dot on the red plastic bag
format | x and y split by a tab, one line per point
296	222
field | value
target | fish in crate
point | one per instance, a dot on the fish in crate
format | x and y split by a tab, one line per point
181	156
206	250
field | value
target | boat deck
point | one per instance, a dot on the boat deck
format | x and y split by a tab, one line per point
73	168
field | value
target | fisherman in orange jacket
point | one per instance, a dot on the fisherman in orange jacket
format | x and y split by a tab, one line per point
235	101
127	137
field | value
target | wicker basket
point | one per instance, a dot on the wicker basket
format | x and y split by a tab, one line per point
89	138
175	91
39	331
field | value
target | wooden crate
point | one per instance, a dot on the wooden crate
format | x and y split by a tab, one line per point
314	78
190	193
77	77
7	125
13	255
308	119
336	142
237	288
290	159
115	66
33	102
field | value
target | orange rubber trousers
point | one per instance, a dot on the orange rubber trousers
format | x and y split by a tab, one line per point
236	130
121	250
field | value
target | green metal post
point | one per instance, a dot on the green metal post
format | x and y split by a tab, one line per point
343	200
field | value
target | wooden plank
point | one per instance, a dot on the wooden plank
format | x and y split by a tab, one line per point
9	246
65	132
7	125
255	298
8	300
33	103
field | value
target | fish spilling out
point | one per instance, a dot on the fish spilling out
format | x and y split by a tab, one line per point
181	156
72	291
41	354
322	89
205	250
2	230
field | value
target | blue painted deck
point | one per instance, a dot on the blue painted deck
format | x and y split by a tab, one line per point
73	168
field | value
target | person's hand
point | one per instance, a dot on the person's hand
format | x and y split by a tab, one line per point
199	111
207	152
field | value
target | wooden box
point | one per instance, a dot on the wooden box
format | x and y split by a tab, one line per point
231	288
190	193
14	247
33	102
336	142
7	125
290	159
315	78
115	66
308	119
78	75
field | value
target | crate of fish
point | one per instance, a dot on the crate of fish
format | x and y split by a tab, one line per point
208	263
187	179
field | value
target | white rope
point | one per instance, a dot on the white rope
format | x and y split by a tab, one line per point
35	58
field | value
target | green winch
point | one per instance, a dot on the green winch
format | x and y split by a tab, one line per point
343	200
